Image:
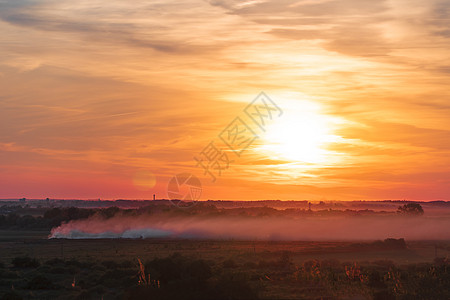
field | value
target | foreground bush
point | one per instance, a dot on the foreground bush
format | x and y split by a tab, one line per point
178	277
25	262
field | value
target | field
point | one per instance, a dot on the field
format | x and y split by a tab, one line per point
35	244
267	270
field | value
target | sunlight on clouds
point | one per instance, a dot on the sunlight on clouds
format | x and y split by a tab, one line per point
112	87
298	137
301	137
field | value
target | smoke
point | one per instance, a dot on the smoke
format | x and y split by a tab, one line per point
257	228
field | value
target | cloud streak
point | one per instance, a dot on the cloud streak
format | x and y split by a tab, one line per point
114	87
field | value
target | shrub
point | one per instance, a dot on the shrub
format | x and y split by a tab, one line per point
234	286
84	295
25	262
385	263
165	269
411	209
395	243
54	261
11	296
229	263
110	264
39	282
59	270
285	260
199	269
383	295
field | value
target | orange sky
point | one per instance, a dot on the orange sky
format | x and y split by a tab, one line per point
96	94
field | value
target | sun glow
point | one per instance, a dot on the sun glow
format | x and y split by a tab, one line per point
301	134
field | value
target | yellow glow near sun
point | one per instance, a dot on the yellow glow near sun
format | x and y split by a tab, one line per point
299	135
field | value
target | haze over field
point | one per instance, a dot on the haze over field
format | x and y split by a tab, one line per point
269	228
110	99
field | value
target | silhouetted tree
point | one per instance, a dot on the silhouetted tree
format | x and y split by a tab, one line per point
411	209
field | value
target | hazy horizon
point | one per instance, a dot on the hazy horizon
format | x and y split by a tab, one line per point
108	99
235	200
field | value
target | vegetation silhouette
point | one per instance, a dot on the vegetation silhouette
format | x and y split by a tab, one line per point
411	209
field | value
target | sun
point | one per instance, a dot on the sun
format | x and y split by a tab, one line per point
301	134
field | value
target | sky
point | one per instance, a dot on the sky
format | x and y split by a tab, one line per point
112	99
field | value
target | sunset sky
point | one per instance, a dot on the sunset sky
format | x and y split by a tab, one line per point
110	99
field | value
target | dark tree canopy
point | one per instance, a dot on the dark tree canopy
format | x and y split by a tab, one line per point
411	209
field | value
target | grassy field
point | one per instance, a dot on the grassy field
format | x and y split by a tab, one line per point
36	244
277	270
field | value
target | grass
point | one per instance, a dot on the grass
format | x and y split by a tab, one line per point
278	268
35	244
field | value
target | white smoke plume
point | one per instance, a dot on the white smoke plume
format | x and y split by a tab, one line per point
258	228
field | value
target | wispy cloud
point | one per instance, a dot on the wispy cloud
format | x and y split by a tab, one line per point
111	87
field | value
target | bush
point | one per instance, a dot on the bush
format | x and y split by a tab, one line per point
395	243
178	277
25	262
229	263
383	295
234	286
11	296
165	269
110	264
199	270
250	265
40	282
84	295
411	209
55	261
285	260
59	270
